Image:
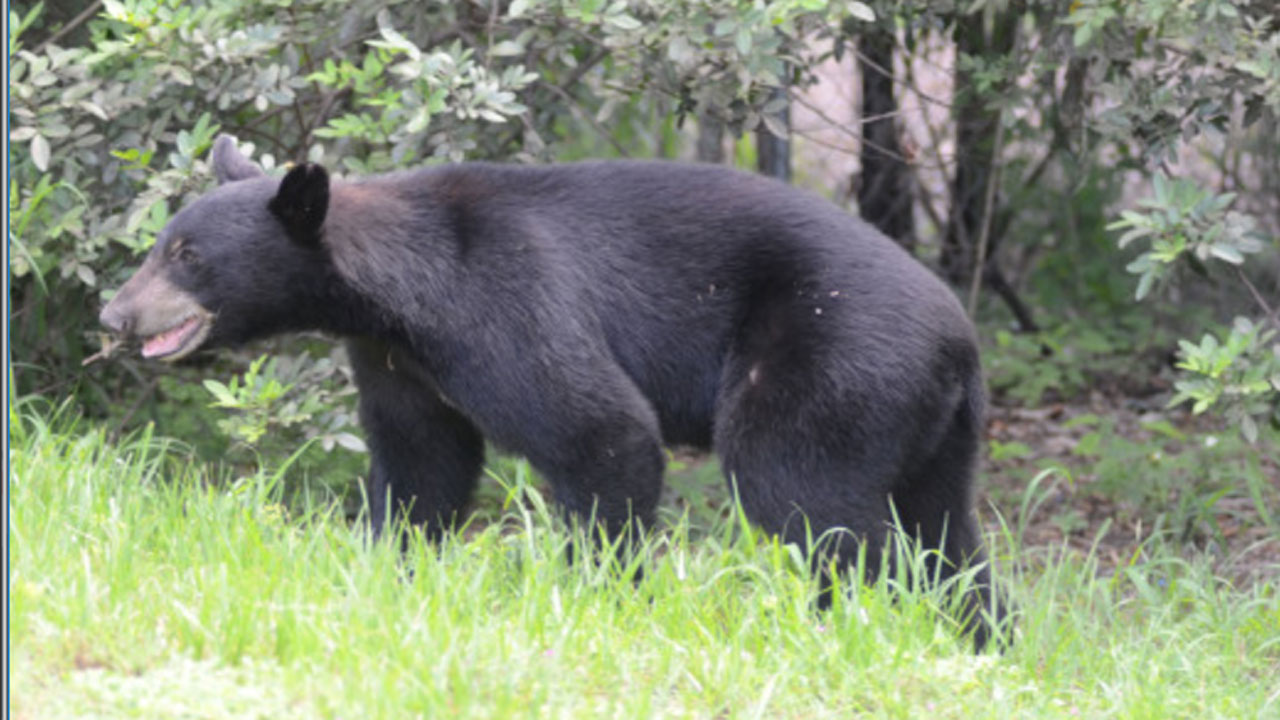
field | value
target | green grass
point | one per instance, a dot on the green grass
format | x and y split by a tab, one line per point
141	588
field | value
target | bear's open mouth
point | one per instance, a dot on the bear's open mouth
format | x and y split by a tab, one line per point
178	341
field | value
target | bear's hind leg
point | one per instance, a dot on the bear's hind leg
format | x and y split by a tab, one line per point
819	469
802	470
935	507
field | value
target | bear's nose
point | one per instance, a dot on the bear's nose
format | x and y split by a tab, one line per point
115	320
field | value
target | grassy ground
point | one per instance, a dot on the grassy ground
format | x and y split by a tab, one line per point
142	589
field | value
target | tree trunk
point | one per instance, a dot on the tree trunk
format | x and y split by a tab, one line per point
710	140
884	187
975	139
773	153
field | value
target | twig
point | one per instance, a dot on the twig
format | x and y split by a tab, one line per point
300	154
988	203
128	415
1026	323
1033	177
856	136
922	192
577	110
584	67
867	120
808	136
322	113
75	22
892	78
490	31
935	145
578	73
279	146
1257	296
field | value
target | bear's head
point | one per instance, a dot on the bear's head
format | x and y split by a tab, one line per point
241	262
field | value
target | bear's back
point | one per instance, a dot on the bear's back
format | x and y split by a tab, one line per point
675	265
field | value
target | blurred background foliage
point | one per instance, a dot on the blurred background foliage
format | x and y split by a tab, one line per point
1098	179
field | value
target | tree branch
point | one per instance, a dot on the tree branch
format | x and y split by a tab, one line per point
576	108
1257	296
75	22
988	204
892	78
843	128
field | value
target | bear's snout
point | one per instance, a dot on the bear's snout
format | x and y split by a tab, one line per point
116	319
170	321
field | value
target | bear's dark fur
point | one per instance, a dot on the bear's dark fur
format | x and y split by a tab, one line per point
585	315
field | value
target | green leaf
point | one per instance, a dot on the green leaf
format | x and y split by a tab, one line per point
1144	286
40	152
507	48
1003	451
1132	235
1135	219
1088	444
1160	184
436	101
220	391
861	11
392	39
1253	68
775	126
1249	428
1141	264
1081	36
624	22
1082	420
1166	428
679	50
94	109
1227	253
351	442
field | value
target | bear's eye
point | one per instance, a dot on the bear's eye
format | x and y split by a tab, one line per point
179	251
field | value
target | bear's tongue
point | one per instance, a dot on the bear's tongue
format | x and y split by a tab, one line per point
169	341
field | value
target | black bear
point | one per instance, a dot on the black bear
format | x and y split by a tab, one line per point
583	316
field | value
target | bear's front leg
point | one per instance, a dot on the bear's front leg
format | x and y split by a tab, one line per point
425	456
576	417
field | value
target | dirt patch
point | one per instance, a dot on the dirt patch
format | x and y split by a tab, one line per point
1121	469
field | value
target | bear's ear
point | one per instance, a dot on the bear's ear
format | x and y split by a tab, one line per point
228	164
302	202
